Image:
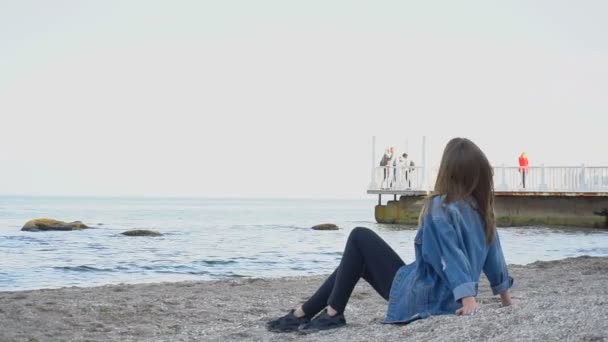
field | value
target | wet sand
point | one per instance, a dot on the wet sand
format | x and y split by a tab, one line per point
565	300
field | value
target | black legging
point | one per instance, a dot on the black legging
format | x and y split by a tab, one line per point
365	256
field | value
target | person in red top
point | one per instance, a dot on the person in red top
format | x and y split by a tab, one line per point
523	167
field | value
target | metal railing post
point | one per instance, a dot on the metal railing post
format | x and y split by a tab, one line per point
582	185
503	185
543	185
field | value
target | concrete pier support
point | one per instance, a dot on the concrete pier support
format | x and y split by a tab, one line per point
516	209
406	210
571	210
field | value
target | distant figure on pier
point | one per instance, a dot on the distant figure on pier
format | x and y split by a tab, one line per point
411	170
384	162
523	168
402	168
393	167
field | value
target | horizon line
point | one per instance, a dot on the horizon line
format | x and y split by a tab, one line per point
123	196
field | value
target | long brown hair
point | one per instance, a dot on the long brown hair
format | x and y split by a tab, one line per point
464	174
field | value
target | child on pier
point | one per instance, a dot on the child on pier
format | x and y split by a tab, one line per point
456	241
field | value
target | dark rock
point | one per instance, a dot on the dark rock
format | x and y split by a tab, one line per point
141	232
326	226
44	224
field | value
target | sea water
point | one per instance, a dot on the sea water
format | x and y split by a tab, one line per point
217	238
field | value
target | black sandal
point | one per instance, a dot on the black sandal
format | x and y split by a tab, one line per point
323	321
287	323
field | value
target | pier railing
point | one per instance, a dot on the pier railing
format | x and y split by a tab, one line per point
571	179
552	179
398	178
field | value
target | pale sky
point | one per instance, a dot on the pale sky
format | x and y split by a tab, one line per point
282	98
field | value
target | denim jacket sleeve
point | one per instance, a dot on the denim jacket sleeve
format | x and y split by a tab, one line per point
495	268
441	250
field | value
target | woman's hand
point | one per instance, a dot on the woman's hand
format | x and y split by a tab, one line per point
469	306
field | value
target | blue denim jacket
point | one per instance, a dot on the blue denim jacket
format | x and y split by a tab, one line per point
451	251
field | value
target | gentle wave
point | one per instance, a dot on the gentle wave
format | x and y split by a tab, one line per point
593	251
216	262
82	268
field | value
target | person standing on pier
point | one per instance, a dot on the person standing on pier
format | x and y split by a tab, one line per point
393	164
456	241
402	166
384	163
523	168
411	170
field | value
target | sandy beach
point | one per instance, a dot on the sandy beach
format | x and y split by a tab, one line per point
564	300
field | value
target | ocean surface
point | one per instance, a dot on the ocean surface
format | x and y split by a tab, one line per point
216	238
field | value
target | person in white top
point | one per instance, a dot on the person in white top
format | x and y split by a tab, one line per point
402	169
392	167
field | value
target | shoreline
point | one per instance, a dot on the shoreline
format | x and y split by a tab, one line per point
564	299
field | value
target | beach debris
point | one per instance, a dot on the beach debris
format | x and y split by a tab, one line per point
325	226
141	232
44	224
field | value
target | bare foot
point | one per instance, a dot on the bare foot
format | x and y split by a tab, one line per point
298	312
331	311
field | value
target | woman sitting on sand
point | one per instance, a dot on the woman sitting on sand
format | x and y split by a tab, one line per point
456	240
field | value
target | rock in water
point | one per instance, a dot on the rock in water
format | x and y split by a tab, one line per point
326	226
141	232
44	224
